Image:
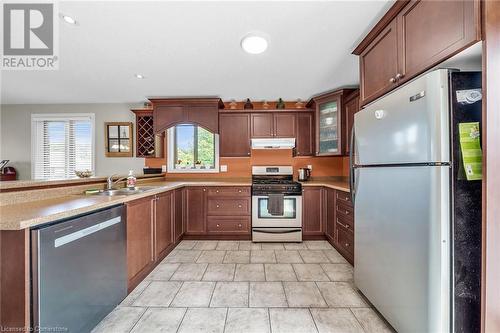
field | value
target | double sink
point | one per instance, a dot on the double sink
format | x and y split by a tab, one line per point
125	191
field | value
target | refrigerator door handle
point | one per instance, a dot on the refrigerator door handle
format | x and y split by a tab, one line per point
351	167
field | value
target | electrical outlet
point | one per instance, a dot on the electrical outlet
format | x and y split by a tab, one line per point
309	166
163	168
223	168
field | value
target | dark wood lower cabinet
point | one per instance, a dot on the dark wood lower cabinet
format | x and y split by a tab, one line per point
195	211
330	214
163	224
344	225
228	225
140	251
150	234
312	211
178	214
223	211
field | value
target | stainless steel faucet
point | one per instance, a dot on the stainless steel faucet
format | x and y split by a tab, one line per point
111	183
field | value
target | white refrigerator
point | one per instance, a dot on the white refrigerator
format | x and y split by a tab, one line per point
407	186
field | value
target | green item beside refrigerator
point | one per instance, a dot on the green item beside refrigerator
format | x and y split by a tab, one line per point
470	146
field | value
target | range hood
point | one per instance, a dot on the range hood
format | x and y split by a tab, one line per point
282	143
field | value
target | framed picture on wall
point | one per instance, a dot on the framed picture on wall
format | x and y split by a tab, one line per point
119	139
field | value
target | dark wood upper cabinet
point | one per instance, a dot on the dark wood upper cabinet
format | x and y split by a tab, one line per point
312	209
305	134
195	210
434	30
168	112
163	224
379	64
330	122
351	107
284	125
234	134
147	143
412	37
262	125
273	125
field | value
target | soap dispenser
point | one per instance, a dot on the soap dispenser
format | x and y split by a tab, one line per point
131	180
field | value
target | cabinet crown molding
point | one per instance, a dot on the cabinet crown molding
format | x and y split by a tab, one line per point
381	25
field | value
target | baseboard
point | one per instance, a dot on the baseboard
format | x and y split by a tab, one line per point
313	237
217	237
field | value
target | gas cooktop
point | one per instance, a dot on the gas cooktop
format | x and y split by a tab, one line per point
274	179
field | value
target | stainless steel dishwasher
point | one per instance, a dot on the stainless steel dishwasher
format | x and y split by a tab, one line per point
79	271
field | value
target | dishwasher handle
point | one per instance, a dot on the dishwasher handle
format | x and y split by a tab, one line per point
85	232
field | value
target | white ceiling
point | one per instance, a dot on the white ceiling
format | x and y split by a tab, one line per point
193	48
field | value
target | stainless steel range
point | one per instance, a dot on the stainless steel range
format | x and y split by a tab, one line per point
276	205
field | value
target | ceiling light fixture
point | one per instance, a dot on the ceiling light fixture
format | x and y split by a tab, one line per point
139	76
68	19
254	43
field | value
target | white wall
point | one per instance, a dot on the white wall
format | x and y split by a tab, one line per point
15	135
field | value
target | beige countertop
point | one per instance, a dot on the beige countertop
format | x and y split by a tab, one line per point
337	183
29	214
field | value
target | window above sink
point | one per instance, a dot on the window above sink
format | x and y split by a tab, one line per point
192	149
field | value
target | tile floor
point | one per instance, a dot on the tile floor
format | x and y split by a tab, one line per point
231	286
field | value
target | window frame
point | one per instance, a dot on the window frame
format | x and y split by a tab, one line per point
37	117
172	152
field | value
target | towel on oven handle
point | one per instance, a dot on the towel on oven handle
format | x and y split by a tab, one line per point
275	204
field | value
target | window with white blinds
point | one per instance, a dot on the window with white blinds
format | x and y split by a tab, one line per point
61	144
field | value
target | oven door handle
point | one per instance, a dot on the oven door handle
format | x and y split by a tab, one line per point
277	231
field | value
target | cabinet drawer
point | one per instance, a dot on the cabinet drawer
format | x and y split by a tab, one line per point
344	197
344	211
345	240
228	224
229	191
228	206
346	224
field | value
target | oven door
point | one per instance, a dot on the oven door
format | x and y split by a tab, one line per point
292	212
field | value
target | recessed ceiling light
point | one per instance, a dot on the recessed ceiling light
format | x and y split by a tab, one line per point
69	19
139	76
254	43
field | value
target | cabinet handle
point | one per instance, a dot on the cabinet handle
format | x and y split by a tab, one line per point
392	80
347	244
248	153
217	206
217	191
239	225
239	206
239	191
204	189
218	225
399	76
342	224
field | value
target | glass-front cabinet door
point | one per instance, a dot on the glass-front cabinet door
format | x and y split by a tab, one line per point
330	122
328	128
